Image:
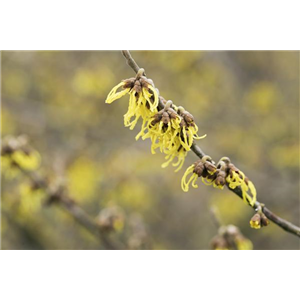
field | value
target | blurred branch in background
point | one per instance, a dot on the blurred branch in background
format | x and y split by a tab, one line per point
259	207
18	156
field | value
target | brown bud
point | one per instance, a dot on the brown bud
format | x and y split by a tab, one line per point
255	221
156	118
211	168
231	168
145	81
160	113
128	83
183	123
172	113
188	117
264	220
220	180
199	168
197	162
137	86
165	118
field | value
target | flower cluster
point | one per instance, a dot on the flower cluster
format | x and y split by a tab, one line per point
223	173
143	98
172	129
204	168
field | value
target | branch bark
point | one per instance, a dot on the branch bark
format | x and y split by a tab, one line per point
130	61
284	224
59	197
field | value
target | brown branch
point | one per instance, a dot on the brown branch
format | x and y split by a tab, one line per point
287	226
59	196
130	61
86	221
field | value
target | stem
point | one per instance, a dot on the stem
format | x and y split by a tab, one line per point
287	226
130	61
73	209
85	220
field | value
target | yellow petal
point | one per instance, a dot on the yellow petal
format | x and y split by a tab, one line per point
114	95
155	103
188	171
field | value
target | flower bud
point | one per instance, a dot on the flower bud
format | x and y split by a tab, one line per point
255	221
165	118
188	117
264	220
199	168
137	86
156	118
128	83
211	168
172	113
220	180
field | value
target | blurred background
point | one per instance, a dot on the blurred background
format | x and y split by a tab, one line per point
246	102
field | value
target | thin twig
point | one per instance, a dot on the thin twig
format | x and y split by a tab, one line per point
130	61
85	220
215	216
287	226
60	197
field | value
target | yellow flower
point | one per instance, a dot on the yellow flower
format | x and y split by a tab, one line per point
164	130
143	99
164	133
189	134
202	168
238	178
114	95
137	109
172	129
255	224
170	133
259	219
179	154
189	129
185	183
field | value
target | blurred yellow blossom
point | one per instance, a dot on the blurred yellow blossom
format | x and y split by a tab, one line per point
83	178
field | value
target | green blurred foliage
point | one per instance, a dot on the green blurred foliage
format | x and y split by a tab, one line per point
246	102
